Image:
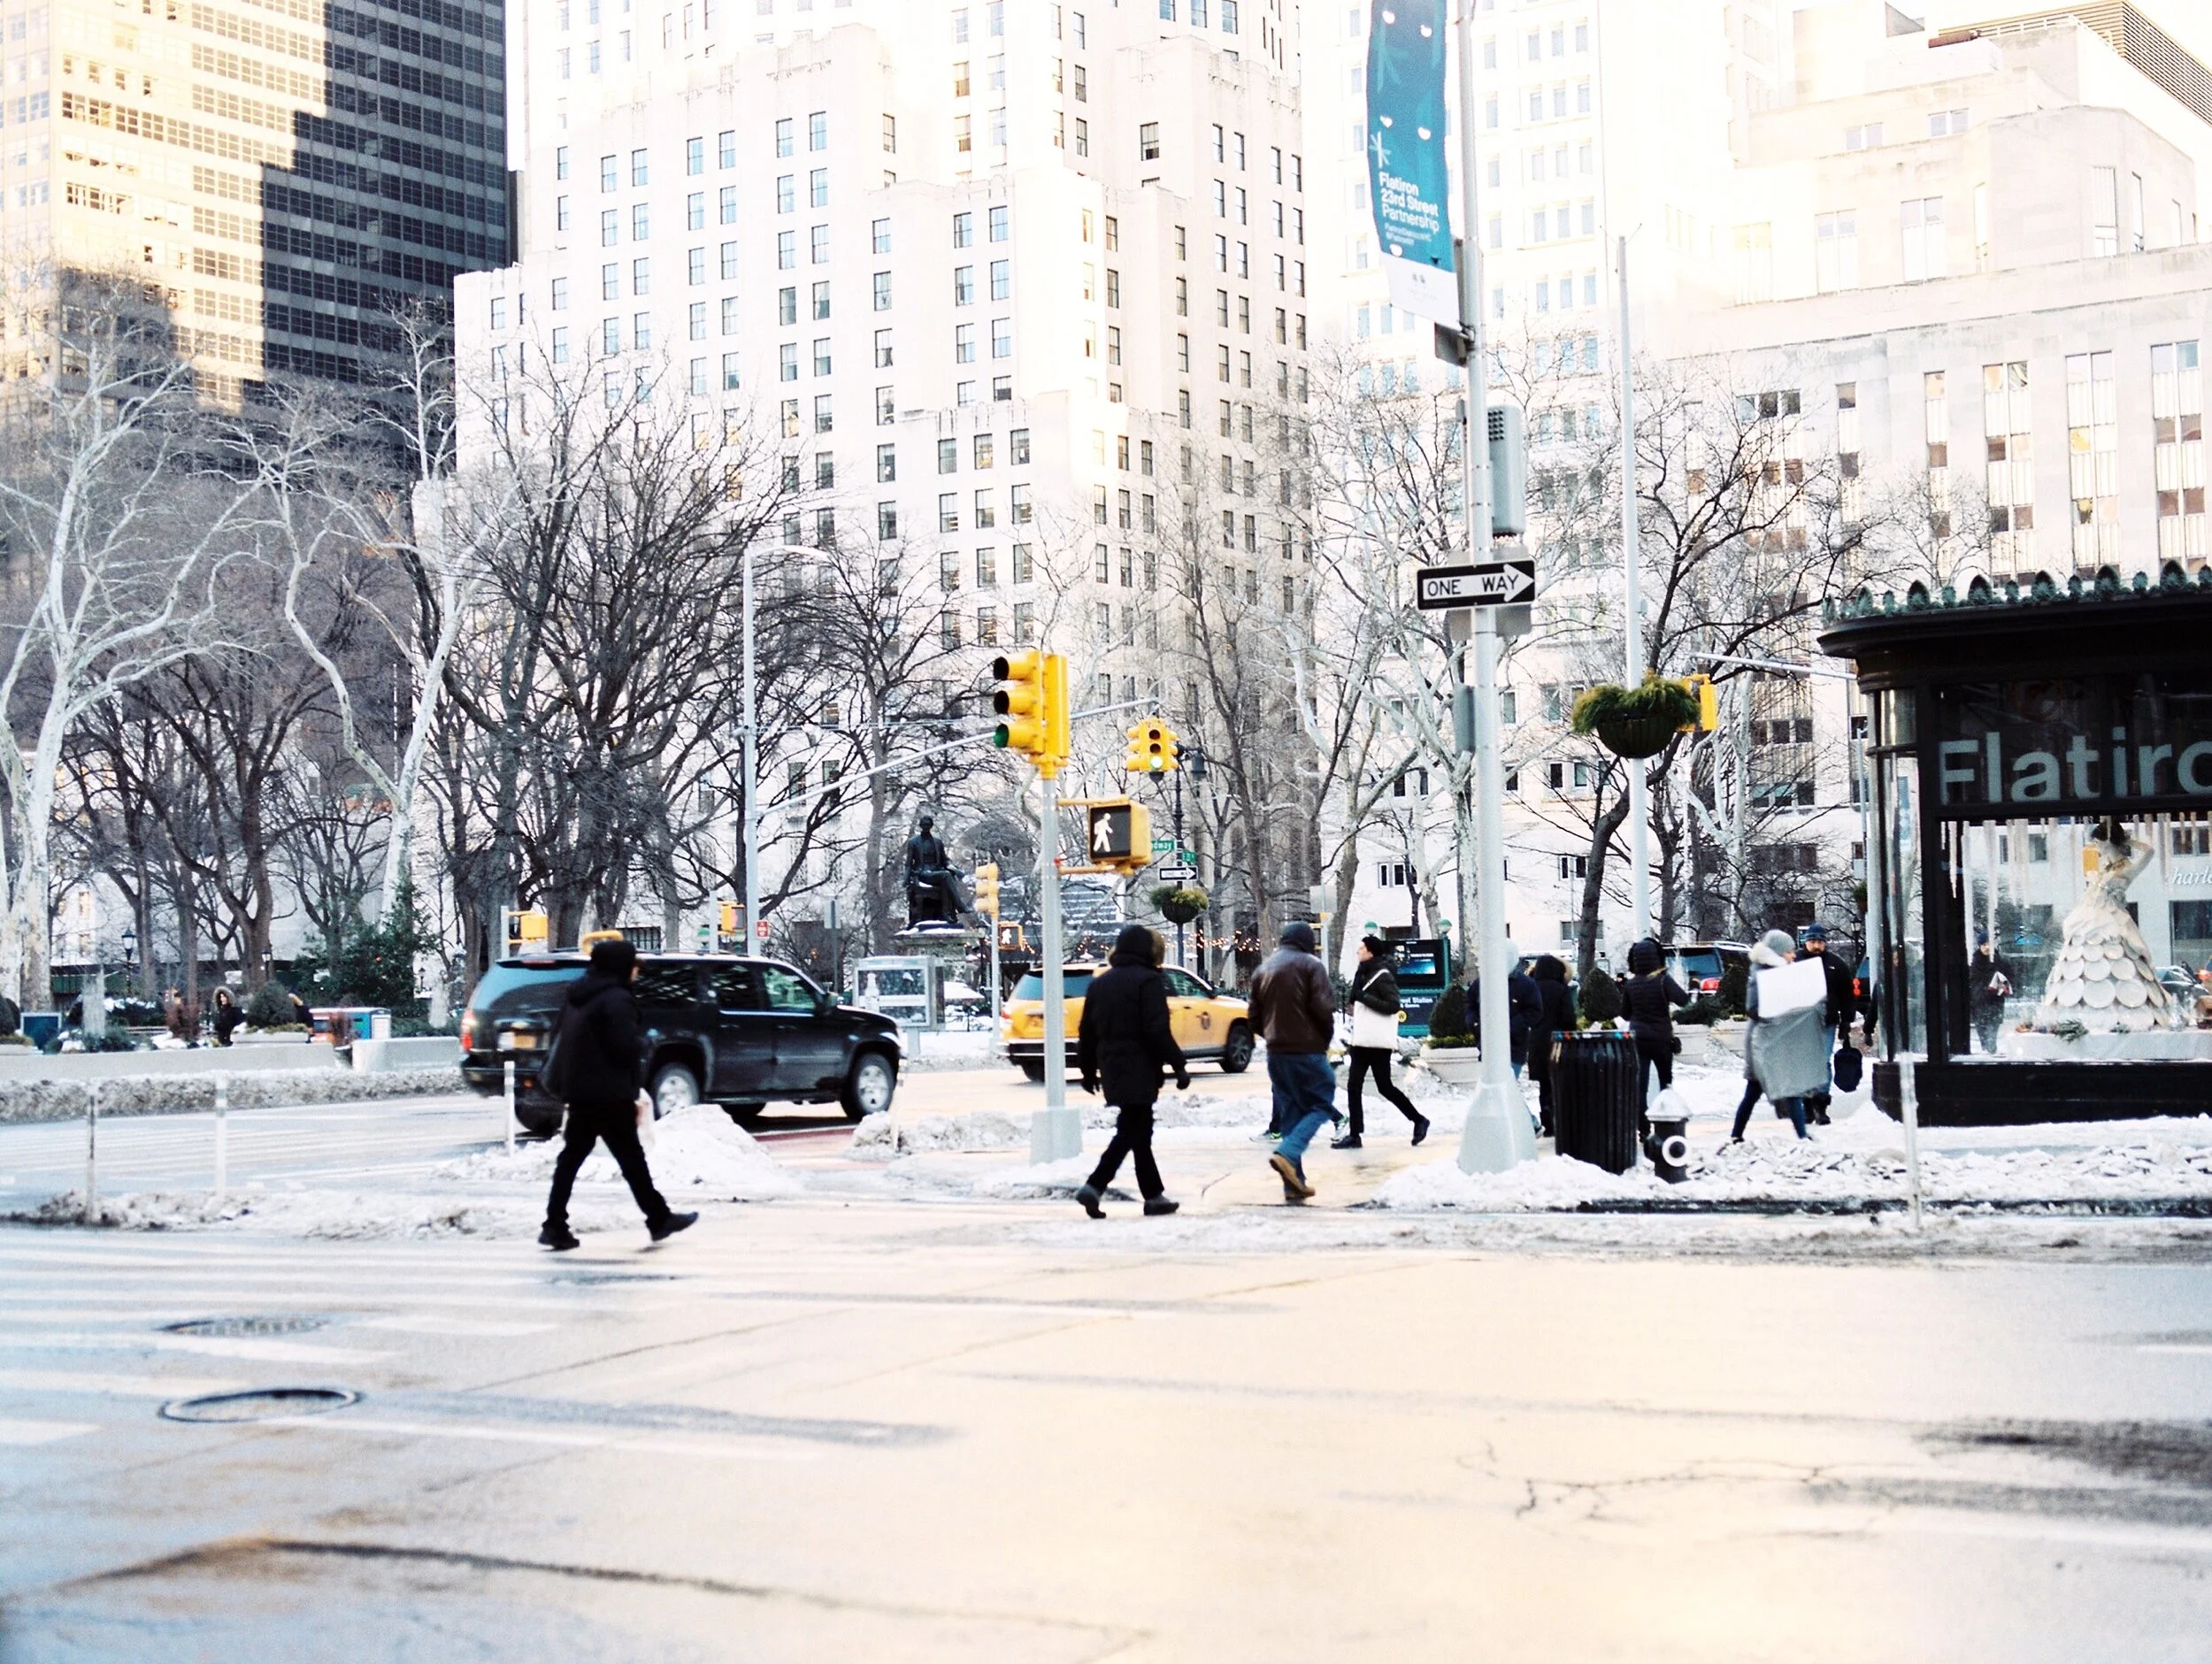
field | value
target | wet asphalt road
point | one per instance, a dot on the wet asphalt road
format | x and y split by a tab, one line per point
811	1430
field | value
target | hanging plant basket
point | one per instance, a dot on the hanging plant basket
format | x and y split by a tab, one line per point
1636	736
1636	722
1180	904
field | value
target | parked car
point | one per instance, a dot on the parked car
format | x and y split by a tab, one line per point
716	1029
1699	966
1207	1024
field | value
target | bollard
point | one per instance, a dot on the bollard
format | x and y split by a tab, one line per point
91	1151
222	1137
1908	1101
508	1098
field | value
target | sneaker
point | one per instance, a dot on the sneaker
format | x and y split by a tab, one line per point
1349	1141
559	1238
1295	1185
670	1225
1089	1197
1420	1128
1154	1207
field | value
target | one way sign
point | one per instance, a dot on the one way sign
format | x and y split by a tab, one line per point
1490	584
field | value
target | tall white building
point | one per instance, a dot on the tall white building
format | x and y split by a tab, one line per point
988	274
1965	264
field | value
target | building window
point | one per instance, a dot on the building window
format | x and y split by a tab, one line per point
2104	211
2006	421
1926	257
2093	458
1754	249
2177	449
1836	250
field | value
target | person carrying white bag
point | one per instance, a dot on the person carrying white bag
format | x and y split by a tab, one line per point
1786	1053
1375	1016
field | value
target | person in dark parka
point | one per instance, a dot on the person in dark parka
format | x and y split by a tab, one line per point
1123	1042
1556	1015
1647	999
600	1071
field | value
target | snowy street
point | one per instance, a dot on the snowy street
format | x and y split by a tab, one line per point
895	1398
855	1428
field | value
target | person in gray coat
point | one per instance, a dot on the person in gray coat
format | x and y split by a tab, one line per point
1785	1056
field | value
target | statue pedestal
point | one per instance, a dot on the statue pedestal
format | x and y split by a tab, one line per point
2163	1045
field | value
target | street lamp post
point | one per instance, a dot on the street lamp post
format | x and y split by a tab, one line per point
750	826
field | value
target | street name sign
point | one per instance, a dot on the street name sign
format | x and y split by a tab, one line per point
1490	584
1161	845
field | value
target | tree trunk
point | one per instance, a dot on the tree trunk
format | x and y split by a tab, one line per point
1601	833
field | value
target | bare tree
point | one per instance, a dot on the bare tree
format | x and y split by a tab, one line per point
121	530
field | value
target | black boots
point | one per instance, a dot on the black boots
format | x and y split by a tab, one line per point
670	1225
557	1238
1090	1199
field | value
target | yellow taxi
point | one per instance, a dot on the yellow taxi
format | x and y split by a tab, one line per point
1209	1026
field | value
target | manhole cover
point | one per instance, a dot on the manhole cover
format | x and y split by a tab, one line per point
246	1326
261	1404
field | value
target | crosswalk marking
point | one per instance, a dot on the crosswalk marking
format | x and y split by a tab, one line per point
203	1346
432	1323
512	1433
22	1432
124	1386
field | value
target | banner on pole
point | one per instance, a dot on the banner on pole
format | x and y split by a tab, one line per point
1409	177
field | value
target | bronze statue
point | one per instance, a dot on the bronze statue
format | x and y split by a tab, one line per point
933	890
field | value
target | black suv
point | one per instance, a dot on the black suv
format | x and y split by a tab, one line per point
716	1029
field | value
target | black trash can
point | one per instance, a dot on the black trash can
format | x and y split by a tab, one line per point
1597	1086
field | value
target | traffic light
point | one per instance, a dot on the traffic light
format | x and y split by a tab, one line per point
1708	705
728	921
1152	749
1117	833
987	888
527	930
1032	701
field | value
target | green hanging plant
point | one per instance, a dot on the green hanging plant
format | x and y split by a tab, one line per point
1179	903
1636	722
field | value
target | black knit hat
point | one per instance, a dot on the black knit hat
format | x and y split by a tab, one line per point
614	959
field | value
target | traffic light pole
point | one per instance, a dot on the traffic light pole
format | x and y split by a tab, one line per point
1055	1131
1498	1134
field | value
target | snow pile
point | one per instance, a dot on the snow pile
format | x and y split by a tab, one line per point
1547	1184
899	1134
1789	1172
1029	1184
698	1149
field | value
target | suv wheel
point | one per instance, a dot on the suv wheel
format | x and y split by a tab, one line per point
1236	1051
674	1088
1035	1071
869	1088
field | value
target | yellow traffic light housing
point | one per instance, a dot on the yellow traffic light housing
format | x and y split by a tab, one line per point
1031	704
987	889
1152	749
1708	705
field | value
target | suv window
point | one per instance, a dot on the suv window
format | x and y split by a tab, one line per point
731	988
787	990
667	984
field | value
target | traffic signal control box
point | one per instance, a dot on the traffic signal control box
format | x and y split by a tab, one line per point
1708	705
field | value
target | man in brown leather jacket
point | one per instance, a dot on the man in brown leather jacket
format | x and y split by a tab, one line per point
1293	1007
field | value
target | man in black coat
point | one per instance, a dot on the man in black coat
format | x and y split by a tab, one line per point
1842	1003
597	1070
1123	1042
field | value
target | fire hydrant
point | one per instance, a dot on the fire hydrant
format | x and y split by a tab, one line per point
1668	1144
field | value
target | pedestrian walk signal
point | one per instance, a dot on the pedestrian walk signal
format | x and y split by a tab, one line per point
987	889
1117	833
1152	749
1031	702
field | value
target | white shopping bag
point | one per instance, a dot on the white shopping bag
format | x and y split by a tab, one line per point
1792	987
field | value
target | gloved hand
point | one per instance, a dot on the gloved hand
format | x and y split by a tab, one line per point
1090	1084
1182	1080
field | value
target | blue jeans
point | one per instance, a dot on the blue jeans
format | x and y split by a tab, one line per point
1305	1098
